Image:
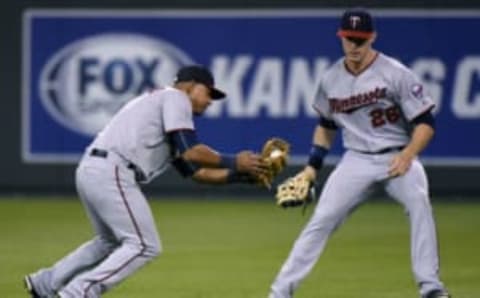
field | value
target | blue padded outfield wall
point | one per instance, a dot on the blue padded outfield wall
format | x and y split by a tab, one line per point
80	66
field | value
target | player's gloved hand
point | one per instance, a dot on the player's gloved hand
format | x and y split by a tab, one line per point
275	154
296	191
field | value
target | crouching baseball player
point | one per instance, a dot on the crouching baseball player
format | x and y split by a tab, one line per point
150	133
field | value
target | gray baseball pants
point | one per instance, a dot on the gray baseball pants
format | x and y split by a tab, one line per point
125	239
348	186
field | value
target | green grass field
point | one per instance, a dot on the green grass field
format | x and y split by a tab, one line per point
234	248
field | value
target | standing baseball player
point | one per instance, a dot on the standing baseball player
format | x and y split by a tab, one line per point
142	140
386	121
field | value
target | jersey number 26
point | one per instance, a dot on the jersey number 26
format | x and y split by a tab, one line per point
381	116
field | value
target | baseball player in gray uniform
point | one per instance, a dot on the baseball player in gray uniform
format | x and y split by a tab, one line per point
386	121
150	133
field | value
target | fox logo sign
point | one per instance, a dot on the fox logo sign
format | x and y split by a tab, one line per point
86	82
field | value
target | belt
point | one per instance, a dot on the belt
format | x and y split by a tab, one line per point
139	175
383	151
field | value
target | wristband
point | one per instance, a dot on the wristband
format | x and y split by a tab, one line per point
228	161
317	154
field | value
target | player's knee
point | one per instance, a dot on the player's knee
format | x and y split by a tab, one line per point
153	250
331	216
146	248
320	225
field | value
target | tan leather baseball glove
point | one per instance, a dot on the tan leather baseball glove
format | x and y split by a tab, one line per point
275	154
295	191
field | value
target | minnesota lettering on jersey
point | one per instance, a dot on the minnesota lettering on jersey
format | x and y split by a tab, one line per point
356	101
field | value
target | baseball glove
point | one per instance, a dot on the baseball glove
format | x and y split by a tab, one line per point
295	191
275	153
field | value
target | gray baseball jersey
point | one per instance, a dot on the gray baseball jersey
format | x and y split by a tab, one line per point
373	109
138	131
126	234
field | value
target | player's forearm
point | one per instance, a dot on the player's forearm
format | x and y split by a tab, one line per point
203	155
323	136
221	176
211	176
421	136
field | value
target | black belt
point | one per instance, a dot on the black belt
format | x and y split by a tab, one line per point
139	176
383	151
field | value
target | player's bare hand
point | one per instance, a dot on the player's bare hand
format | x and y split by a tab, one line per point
400	164
249	162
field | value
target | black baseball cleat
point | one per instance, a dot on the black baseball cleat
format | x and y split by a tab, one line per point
29	287
438	294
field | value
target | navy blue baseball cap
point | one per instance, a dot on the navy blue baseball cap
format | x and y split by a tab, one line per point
202	75
356	23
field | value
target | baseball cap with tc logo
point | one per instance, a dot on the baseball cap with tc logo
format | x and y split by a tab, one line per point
356	23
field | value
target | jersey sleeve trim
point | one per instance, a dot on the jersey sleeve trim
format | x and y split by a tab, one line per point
327	123
425	118
423	111
179	129
182	140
